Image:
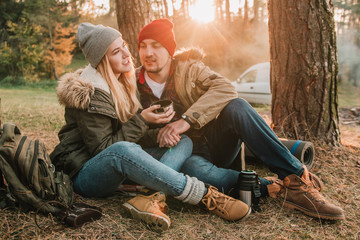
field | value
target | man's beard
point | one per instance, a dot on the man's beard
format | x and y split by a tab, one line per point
156	70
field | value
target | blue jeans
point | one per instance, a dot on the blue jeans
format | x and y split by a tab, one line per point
173	157
102	174
238	122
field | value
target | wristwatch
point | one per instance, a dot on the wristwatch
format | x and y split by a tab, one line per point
187	119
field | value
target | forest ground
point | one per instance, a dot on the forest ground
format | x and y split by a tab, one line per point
38	115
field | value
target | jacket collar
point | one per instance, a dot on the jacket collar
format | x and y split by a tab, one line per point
185	54
75	90
91	75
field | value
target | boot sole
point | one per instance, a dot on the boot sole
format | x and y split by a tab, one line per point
246	215
152	221
312	214
235	220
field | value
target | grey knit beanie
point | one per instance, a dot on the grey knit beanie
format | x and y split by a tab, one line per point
95	40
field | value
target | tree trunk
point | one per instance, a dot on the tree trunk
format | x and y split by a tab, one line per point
227	11
304	70
256	10
166	9
131	17
111	7
174	10
246	13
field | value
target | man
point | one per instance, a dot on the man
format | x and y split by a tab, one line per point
209	111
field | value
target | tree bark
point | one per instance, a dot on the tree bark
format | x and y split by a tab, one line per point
166	9
304	70
227	11
256	10
131	17
246	13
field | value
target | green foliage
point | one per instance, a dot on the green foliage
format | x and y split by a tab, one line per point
78	61
9	10
37	39
21	54
21	83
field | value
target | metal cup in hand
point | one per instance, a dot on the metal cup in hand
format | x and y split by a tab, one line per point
165	105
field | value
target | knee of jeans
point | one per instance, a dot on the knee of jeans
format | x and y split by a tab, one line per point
236	104
235	110
232	109
194	163
186	140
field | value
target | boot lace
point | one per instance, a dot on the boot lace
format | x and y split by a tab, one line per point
214	199
311	192
158	202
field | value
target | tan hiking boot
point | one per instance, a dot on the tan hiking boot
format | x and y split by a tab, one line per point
300	194
150	208
225	206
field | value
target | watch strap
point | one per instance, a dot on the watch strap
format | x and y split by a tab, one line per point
187	119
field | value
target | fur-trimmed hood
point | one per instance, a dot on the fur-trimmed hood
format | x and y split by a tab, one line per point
74	90
185	54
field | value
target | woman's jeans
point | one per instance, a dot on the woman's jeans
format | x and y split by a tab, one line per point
102	174
173	157
238	122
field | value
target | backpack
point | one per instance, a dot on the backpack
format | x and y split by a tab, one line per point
29	176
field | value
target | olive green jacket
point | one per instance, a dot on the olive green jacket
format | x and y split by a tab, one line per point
91	122
202	91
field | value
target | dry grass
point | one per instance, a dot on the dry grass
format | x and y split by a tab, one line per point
38	115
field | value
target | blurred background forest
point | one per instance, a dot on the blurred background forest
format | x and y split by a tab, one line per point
38	43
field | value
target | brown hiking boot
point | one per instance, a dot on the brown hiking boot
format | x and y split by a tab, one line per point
225	206
300	194
150	209
277	187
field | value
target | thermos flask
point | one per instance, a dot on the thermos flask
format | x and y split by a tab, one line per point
247	182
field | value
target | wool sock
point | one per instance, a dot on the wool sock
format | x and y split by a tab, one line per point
193	192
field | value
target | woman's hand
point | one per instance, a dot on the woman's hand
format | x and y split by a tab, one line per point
157	118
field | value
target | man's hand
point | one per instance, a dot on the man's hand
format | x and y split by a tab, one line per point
169	135
157	118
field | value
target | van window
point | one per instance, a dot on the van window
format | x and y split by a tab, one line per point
250	77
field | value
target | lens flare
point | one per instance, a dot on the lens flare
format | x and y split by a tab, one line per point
202	11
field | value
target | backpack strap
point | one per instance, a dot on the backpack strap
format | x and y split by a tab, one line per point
6	200
17	154
34	159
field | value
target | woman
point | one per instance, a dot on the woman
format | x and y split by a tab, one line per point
103	124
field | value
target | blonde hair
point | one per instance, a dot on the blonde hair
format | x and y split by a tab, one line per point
123	90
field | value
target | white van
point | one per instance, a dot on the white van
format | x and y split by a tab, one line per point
254	84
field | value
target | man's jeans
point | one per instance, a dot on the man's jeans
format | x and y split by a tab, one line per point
239	122
102	174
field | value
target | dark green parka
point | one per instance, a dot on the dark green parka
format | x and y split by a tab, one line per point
91	122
